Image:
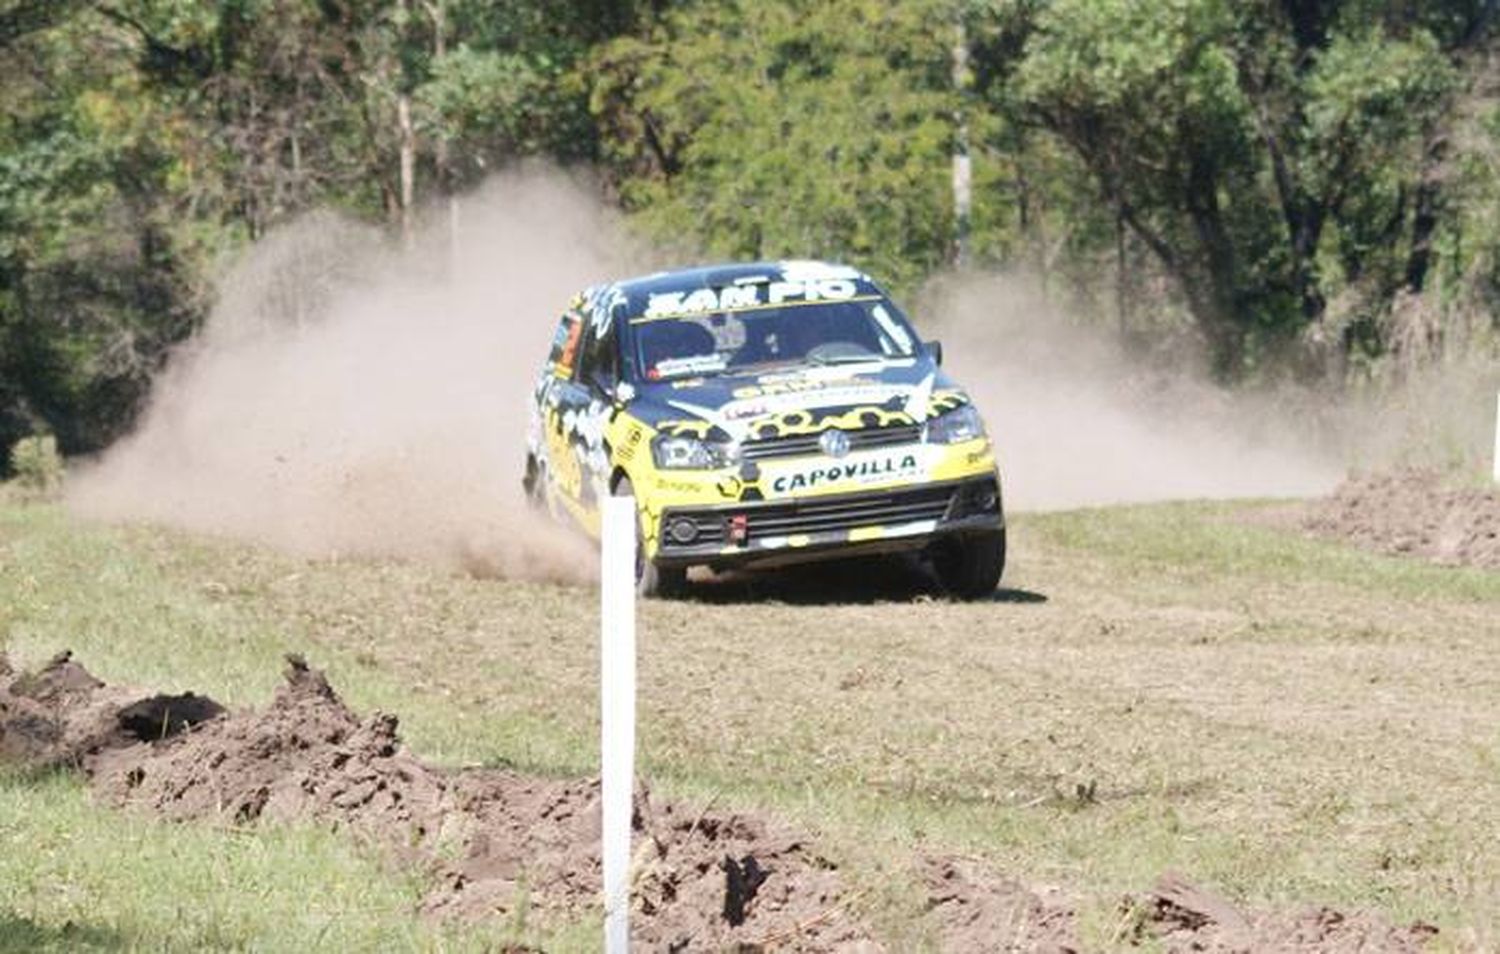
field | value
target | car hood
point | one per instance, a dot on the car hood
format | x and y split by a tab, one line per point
749	406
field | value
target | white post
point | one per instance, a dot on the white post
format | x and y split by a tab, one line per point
617	710
1497	439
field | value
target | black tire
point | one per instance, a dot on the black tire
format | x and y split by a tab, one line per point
532	484
970	566
651	580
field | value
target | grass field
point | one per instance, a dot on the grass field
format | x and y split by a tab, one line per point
1159	687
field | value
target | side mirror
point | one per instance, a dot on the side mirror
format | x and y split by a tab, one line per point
934	348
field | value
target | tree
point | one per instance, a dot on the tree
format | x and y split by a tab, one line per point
92	283
788	128
1229	137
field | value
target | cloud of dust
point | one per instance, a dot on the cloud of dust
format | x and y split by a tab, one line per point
1078	422
349	398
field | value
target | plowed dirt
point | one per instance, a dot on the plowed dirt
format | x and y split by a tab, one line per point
703	880
976	911
1188	919
494	840
1413	513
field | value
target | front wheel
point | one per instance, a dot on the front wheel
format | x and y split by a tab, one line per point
534	484
970	566
651	580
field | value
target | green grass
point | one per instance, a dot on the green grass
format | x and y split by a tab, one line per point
75	877
1287	720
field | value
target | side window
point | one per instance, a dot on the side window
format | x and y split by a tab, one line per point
599	364
565	346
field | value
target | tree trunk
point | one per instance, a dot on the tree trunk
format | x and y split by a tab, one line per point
406	144
447	185
408	163
1216	308
963	174
1426	209
1122	278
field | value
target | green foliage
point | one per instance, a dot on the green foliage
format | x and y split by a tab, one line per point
140	141
788	128
37	465
93	282
1261	172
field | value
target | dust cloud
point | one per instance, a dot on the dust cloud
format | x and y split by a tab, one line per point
1077	421
348	398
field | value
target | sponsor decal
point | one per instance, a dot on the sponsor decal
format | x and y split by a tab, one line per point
679	486
603	304
874	395
895	331
692	364
786	385
740	297
633	437
869	470
739	410
689	428
920	398
801	270
945	400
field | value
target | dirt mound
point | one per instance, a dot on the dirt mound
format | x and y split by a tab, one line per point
305	756
701	879
975	911
1415	513
1184	918
63	716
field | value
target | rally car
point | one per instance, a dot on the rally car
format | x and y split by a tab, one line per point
763	414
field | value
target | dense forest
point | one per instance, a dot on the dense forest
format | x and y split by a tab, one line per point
1304	188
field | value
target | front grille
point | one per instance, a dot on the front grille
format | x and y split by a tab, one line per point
805	445
816	514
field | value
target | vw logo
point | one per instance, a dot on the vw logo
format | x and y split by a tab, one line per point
835	443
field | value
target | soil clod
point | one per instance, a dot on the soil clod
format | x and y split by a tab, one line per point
741	880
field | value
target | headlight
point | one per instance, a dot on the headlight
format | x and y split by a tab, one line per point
690	453
958	425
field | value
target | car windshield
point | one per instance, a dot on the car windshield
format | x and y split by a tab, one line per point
868	328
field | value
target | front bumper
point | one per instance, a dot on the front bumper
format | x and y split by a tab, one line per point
771	532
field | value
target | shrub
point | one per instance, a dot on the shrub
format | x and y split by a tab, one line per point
37	464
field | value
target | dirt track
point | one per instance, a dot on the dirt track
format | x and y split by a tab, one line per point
704	880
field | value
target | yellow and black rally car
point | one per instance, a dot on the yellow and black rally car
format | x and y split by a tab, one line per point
764	414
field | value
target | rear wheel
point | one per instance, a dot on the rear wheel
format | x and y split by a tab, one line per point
650	579
970	566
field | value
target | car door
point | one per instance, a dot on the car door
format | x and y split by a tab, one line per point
584	404
547	438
